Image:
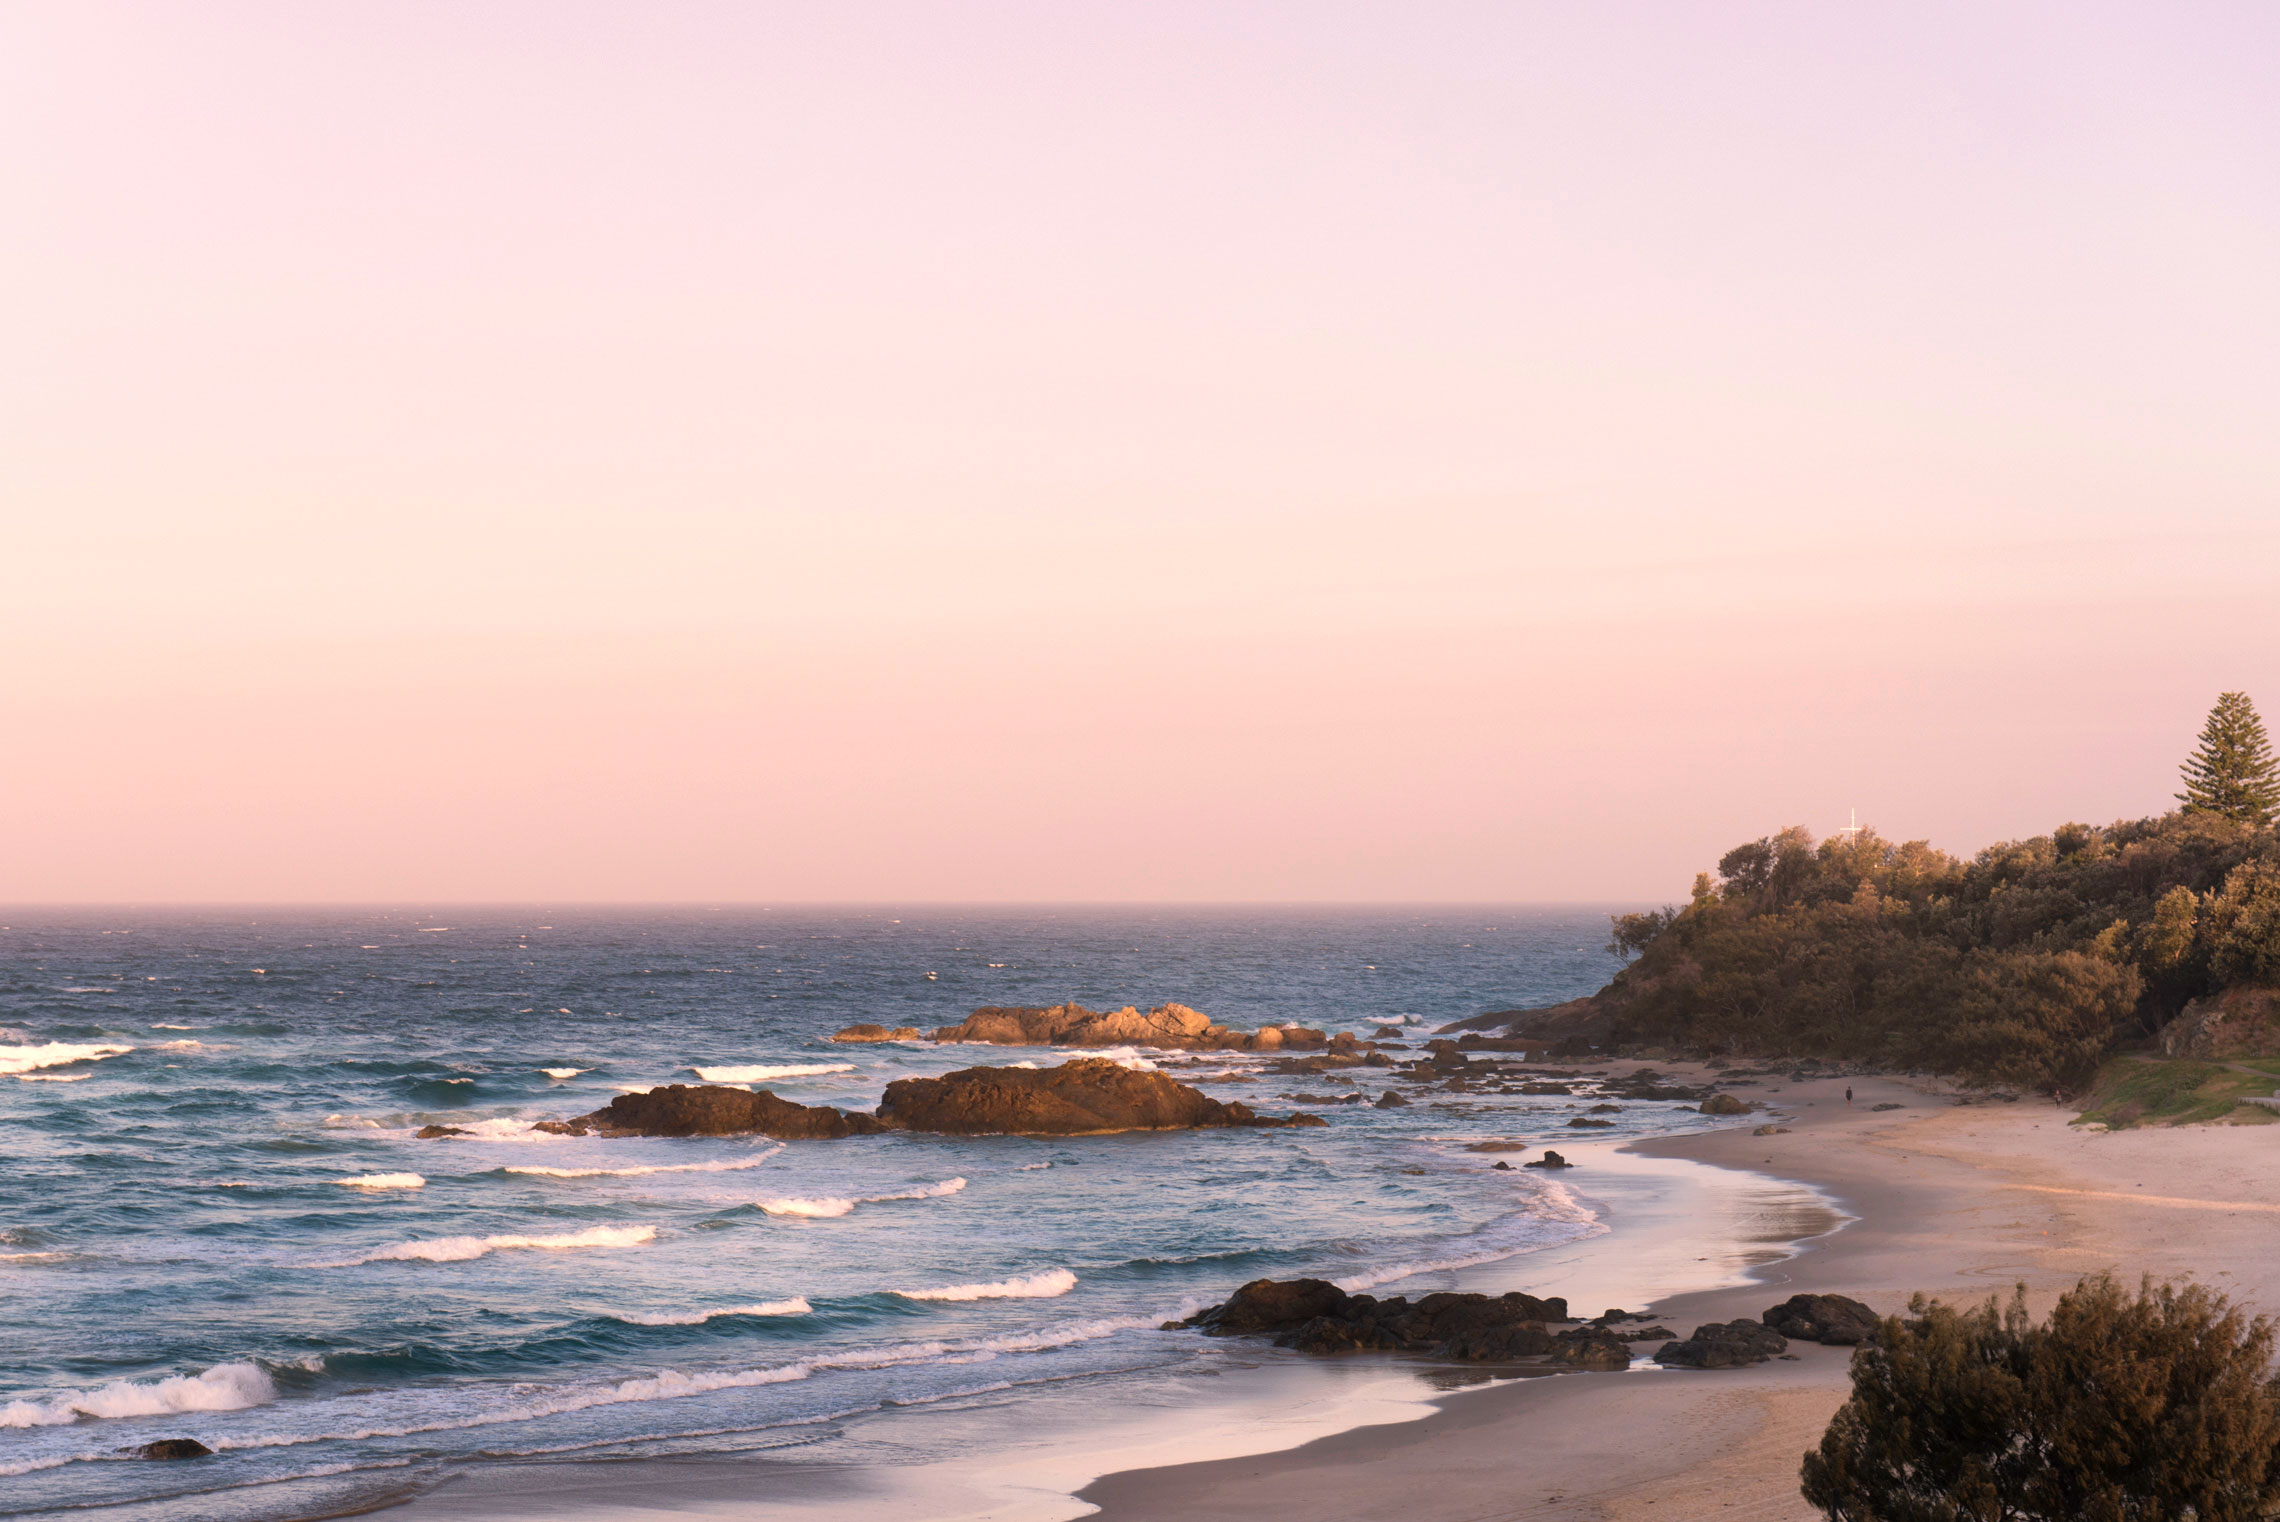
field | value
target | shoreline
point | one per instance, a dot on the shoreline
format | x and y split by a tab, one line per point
1958	1202
1671	1220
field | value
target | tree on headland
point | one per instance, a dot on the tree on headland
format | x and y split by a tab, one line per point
2116	1410
2231	771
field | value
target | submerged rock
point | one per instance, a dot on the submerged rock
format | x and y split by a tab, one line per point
1316	1316
1086	1097
1833	1320
681	1109
1724	1345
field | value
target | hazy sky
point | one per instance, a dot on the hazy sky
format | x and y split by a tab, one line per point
1144	451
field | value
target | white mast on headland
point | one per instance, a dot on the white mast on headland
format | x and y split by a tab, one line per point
1852	831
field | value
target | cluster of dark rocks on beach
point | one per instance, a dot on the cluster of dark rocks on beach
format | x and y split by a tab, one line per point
1316	1316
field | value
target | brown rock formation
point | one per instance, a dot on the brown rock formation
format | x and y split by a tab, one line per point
1173	1027
1316	1316
1086	1097
877	1033
680	1109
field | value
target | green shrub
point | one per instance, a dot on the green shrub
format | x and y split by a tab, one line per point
2156	1408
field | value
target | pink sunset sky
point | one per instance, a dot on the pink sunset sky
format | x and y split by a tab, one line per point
1404	451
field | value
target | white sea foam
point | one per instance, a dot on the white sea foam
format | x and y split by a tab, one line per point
182	1046
53	1077
224	1387
1031	1167
174	1027
763	1072
833	1206
671	1384
460	1249
564	1072
1043	1286
792	1307
717	1165
53	1054
383	1181
1505	1238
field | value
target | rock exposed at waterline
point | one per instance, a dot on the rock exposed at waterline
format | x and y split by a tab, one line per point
1725	1104
1835	1320
173	1448
1316	1316
1550	1159
1390	1100
1172	1026
682	1109
438	1133
1591	1348
877	1033
1087	1097
1724	1345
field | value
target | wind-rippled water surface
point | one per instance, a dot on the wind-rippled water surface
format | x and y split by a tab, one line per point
216	1222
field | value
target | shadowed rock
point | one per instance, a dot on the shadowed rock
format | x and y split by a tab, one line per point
1835	1320
173	1448
1086	1097
1724	1345
1316	1316
681	1109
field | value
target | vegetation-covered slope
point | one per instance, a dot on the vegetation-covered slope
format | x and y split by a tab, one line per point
2028	963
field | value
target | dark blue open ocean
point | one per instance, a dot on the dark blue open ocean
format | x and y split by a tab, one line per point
215	1221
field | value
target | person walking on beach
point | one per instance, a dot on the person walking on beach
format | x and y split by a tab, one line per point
1848	1093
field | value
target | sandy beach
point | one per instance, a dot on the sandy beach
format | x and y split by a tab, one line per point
1956	1201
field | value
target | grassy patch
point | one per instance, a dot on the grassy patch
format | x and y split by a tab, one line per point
2177	1091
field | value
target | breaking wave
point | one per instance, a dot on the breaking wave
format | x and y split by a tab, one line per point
832	1206
383	1181
460	1249
52	1054
796	1306
762	1073
224	1387
717	1165
1043	1286
564	1072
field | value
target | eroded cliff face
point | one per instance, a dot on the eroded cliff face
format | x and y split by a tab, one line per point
2239	1022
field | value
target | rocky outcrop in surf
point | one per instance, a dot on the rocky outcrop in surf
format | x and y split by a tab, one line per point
877	1033
1087	1097
1316	1316
1090	1096
682	1109
1173	1027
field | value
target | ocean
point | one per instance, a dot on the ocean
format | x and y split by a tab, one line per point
216	1222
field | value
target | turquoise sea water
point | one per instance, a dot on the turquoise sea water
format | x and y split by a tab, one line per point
215	1221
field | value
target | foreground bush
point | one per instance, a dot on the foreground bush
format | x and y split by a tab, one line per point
2157	1408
